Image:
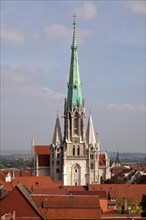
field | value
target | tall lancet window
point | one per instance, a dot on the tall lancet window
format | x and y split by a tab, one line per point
73	150
78	150
76	124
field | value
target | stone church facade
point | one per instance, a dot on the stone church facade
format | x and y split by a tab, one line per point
75	158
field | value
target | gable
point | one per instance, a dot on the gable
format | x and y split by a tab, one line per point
16	201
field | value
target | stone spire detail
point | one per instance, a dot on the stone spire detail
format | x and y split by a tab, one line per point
90	134
117	158
57	138
74	96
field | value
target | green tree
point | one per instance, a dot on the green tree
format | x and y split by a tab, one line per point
133	207
143	204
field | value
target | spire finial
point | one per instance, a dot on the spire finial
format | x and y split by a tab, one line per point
74	22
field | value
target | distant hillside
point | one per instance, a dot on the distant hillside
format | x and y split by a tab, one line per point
129	157
123	156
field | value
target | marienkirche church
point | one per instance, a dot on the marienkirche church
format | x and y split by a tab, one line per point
75	158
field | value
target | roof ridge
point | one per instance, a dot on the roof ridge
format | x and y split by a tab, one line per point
29	199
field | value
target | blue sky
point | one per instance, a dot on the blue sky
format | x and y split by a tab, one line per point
36	39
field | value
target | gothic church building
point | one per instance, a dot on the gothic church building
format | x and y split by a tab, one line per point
75	158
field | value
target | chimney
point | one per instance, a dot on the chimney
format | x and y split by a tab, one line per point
14	215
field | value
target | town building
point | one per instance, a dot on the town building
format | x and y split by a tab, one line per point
75	158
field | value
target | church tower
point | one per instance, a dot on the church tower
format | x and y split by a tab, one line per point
75	158
80	148
74	144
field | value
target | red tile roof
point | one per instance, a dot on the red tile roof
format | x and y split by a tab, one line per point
6	186
26	172
69	207
35	182
42	149
20	201
100	194
74	188
2	175
133	191
118	170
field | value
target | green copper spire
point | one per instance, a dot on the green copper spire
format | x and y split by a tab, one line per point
74	97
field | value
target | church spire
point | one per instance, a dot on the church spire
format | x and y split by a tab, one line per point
90	134
117	158
74	97
57	138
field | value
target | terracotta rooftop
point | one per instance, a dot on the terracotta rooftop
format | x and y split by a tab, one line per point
6	186
19	197
133	191
37	182
74	188
2	175
118	170
42	149
69	207
100	194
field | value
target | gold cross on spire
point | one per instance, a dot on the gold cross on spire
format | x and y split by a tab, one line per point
74	21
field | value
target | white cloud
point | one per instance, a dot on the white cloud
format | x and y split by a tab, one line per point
87	11
9	35
20	82
120	107
125	107
138	7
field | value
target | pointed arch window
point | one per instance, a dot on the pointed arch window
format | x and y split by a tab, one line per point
78	150
73	150
76	123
